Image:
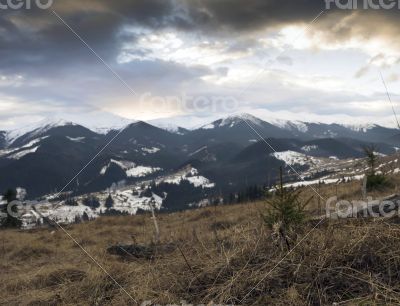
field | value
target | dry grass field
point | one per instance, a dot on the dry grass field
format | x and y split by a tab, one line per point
223	255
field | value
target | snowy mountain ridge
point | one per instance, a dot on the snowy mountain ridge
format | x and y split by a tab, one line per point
102	123
361	127
35	129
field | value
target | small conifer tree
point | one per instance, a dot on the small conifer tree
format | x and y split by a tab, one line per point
109	202
374	180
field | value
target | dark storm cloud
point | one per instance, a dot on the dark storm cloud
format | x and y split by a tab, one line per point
242	18
36	38
58	68
251	15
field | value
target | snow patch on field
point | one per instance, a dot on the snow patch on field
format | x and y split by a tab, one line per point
189	174
130	201
293	158
141	171
76	139
125	200
131	169
68	214
23	153
151	150
326	181
104	169
200	181
33	142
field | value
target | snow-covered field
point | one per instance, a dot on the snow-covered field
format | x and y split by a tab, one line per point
295	158
131	169
151	150
126	199
325	180
189	174
130	199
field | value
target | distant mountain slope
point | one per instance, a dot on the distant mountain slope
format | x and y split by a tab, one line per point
259	163
339	148
242	129
369	133
245	128
147	135
235	130
44	160
66	129
169	126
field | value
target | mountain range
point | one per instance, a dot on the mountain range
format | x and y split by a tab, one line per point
231	153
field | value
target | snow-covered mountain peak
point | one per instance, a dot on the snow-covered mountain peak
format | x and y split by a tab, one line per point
233	120
54	122
37	128
290	125
240	117
166	125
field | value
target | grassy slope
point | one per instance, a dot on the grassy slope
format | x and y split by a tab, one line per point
224	253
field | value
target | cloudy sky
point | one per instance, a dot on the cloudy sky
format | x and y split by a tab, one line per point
198	59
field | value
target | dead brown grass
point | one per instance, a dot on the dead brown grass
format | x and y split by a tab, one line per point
225	255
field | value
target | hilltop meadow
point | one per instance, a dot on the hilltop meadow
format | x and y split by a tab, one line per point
220	255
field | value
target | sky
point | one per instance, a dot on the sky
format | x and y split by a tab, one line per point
189	61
